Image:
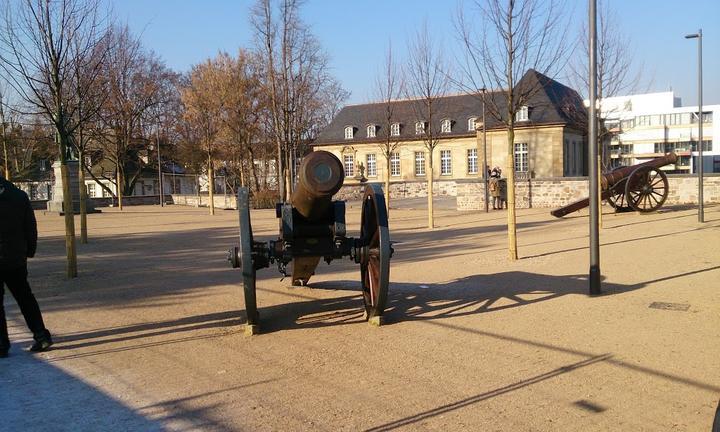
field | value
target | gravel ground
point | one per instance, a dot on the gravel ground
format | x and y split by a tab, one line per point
149	336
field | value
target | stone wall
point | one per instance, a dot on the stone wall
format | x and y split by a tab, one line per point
562	191
203	200
534	193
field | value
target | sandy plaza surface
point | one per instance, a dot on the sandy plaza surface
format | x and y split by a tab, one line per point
149	336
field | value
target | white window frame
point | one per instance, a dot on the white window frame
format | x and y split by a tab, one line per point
446	126
521	157
395	164
523	114
371	131
349	165
419	128
419	163
371	164
90	188
395	129
349	132
472	161
471	123
445	162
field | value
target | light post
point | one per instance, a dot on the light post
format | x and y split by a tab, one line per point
594	274
701	211
485	164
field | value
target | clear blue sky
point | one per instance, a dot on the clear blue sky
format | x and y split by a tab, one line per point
356	33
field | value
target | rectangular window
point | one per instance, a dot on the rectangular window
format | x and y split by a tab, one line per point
522	114
395	164
419	163
446	126
349	165
627	124
472	161
105	193
521	157
445	162
419	128
395	129
371	165
91	190
471	123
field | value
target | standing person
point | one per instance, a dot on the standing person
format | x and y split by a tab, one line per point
18	240
494	188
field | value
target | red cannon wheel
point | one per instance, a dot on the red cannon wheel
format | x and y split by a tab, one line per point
646	189
375	263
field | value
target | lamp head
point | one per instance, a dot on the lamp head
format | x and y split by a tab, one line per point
692	36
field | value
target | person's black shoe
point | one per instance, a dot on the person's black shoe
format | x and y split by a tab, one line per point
42	343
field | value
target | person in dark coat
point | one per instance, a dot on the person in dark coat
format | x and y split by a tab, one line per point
18	240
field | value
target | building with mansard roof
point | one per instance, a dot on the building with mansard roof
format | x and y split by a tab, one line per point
549	140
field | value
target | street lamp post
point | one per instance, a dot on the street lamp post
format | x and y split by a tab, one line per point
485	164
594	274
701	210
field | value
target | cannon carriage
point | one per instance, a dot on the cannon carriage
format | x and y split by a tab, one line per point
311	228
642	187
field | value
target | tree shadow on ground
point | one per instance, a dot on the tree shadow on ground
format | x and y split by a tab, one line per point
416	301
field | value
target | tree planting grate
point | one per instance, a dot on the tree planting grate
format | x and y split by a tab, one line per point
669	306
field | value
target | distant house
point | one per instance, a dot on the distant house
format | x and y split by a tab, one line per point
549	136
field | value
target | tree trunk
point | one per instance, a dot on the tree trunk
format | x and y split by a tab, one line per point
211	186
512	218
430	180
5	152
83	197
387	186
71	266
119	186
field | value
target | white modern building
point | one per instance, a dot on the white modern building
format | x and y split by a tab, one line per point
649	125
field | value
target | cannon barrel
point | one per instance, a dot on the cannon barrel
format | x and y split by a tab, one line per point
320	177
615	176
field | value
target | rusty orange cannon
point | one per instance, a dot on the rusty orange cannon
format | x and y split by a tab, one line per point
642	187
312	227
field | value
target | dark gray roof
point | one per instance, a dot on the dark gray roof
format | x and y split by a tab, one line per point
553	103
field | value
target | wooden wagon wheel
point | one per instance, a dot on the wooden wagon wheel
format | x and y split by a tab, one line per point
617	198
375	263
245	260
646	189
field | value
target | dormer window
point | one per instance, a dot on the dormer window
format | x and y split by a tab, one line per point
522	114
395	129
419	128
471	123
371	128
349	132
446	126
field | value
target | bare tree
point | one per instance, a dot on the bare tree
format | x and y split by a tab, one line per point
295	72
40	43
516	36
389	86
203	110
5	122
428	83
137	82
616	71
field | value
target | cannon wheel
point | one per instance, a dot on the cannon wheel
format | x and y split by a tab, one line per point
646	189
375	265
246	262
617	198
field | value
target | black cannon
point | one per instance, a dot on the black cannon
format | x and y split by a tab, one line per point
642	187
312	226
